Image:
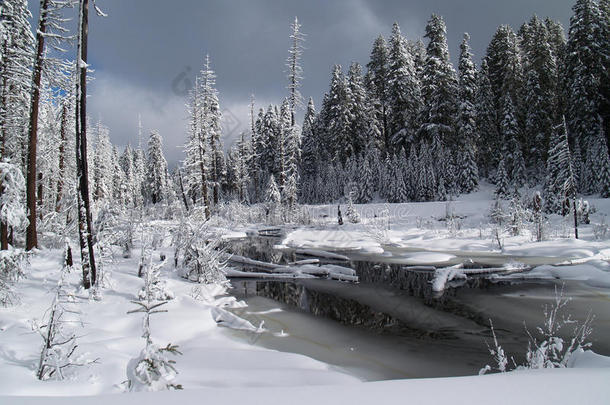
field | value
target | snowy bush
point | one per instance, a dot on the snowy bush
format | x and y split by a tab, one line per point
350	212
116	227
12	262
238	213
12	206
58	352
152	370
549	348
198	253
154	289
600	231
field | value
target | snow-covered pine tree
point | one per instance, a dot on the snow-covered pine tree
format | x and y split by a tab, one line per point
309	167
103	165
337	116
468	174
273	198
560	183
585	63
541	97
604	9
502	182
439	86
295	71
156	170
367	180
376	81
505	72
403	93
489	138
515	166
361	114
210	125
126	163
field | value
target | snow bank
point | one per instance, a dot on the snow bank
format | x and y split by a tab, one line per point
558	386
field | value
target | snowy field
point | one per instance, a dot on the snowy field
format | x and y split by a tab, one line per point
217	368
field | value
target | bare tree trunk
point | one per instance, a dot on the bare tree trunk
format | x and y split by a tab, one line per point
3	124
40	194
31	236
62	157
215	173
85	229
184	199
575	217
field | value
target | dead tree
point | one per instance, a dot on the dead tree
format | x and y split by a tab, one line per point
31	237
85	225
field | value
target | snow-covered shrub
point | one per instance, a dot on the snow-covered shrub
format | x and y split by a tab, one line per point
538	216
59	343
238	213
497	353
549	348
600	230
12	262
518	215
12	207
116	227
198	253
350	212
583	212
497	215
154	289
273	199
152	370
378	226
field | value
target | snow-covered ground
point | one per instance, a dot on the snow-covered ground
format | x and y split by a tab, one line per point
217	368
418	233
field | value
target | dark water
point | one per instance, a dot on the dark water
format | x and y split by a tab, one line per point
391	324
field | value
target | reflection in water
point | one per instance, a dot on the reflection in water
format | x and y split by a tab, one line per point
393	317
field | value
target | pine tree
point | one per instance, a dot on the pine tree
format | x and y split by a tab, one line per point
103	165
337	117
502	182
16	51
439	87
404	93
560	182
514	166
489	138
376	80
126	162
310	163
156	170
362	116
468	176
295	71
584	73
541	92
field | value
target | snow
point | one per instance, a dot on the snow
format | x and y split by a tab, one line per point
218	368
211	358
420	234
561	386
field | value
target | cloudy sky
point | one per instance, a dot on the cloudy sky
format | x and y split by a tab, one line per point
147	52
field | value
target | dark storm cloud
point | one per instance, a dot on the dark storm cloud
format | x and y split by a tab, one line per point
146	51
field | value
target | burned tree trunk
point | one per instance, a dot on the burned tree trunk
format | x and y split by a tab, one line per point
62	157
31	237
85	229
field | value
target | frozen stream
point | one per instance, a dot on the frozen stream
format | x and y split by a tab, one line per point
388	328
